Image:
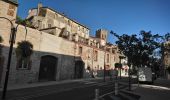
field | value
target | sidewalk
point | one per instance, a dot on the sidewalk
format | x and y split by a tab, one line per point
159	91
37	84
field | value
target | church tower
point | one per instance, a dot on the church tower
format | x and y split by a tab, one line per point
102	35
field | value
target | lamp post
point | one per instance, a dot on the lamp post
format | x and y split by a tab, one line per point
11	41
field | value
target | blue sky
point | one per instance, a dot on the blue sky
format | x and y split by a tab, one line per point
121	16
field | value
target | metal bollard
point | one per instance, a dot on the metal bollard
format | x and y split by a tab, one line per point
116	88
96	94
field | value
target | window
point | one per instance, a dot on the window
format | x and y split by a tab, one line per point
80	50
83	29
78	28
97	67
87	31
107	58
24	63
113	51
91	44
95	55
102	36
49	25
69	23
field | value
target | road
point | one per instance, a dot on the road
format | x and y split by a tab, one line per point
160	90
81	90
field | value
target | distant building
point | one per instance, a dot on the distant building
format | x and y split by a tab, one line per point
166	54
62	47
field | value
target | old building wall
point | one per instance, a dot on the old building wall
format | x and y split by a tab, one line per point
8	10
44	44
167	54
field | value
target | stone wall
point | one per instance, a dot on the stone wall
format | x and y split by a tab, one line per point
64	50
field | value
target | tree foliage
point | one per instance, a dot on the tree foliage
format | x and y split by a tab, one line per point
167	37
118	65
24	49
24	22
139	49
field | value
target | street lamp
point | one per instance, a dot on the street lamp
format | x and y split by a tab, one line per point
11	41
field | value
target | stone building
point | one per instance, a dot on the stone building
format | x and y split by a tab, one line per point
166	54
62	47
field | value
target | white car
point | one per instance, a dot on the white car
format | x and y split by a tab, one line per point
145	75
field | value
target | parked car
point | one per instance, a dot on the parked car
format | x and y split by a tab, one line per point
145	75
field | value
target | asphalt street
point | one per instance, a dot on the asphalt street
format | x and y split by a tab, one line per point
81	90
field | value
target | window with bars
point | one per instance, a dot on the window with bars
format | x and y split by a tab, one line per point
107	58
24	63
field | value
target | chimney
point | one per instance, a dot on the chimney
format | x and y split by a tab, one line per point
39	7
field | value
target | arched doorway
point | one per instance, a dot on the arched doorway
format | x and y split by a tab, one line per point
79	69
48	67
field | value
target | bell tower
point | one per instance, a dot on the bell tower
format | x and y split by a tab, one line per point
102	34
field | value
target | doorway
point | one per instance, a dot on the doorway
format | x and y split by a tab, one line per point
48	67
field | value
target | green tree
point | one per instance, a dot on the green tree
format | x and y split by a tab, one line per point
138	49
24	22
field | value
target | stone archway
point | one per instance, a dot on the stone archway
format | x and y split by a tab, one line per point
48	66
